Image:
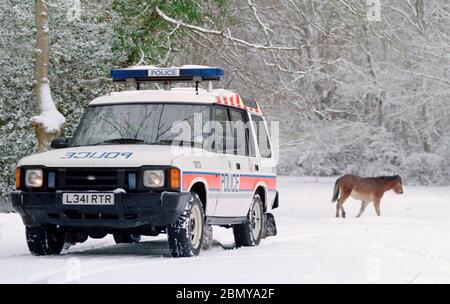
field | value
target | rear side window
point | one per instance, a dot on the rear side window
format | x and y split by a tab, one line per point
241	132
223	140
249	102
262	136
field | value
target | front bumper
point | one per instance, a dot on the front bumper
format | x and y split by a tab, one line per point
129	210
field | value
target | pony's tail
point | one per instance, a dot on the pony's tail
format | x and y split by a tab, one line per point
335	191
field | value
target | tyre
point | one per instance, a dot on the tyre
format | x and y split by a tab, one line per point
45	240
186	234
250	232
126	238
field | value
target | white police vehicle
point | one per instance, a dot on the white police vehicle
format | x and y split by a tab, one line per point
131	170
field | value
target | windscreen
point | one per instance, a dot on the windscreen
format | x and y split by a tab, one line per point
136	123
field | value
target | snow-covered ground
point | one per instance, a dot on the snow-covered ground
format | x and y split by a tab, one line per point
409	243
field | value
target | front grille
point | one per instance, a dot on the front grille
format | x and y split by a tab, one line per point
92	178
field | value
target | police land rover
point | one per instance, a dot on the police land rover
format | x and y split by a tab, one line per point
135	167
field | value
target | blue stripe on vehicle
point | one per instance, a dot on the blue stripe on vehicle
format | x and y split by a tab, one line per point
262	176
216	173
199	172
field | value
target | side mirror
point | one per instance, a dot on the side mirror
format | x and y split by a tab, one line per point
59	143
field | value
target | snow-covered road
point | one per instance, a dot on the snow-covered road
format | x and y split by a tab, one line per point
409	243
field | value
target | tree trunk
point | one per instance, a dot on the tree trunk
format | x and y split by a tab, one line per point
420	13
426	135
47	125
427	140
381	99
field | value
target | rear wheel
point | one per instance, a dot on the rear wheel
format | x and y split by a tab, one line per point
186	234
45	239
126	238
250	232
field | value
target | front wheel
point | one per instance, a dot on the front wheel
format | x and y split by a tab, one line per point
250	232
186	234
46	239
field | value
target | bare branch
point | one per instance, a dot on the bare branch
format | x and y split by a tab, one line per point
224	34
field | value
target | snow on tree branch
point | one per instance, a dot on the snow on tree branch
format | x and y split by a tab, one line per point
225	34
50	119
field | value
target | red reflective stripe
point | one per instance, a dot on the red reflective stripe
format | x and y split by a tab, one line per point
246	183
212	180
250	182
236	101
240	102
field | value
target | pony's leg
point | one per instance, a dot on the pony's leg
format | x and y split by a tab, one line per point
340	203
377	203
363	207
342	210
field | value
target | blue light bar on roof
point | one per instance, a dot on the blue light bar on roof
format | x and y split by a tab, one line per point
181	74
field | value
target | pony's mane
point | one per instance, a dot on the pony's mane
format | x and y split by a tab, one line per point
387	178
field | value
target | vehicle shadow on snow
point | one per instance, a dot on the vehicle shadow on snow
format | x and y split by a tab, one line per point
156	248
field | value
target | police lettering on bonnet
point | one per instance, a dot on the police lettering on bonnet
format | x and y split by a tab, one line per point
119	174
107	155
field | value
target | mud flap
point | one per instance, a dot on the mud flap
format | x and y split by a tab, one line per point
207	237
270	227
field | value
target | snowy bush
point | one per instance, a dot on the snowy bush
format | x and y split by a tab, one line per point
425	169
362	150
81	59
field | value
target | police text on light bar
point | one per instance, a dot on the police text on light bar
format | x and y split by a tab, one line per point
182	74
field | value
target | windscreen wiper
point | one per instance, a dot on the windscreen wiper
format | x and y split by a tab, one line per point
120	141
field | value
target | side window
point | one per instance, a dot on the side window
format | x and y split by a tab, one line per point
240	132
262	136
223	140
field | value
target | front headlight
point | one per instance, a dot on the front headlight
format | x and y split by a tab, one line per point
34	178
154	178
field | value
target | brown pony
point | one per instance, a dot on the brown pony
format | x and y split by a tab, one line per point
366	190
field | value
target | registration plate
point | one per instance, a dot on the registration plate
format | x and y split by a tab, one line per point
88	199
